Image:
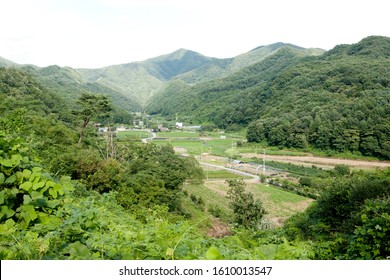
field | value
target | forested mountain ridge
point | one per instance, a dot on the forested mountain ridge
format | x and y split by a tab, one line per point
203	99
132	85
336	101
6	63
285	95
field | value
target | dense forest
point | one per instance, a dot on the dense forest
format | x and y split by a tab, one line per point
70	192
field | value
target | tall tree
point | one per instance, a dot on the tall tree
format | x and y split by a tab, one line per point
92	106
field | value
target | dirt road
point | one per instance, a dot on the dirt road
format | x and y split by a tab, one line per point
326	163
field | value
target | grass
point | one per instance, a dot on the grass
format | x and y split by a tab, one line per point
279	204
133	134
210	198
219	147
177	134
259	148
222	174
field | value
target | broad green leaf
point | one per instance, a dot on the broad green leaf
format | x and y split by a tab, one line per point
26	186
79	251
35	177
6	212
9	223
2	178
41	202
26	173
38	185
28	212
50	184
213	254
43	218
7	227
53	203
42	191
7	162
59	189
49	221
11	179
53	193
36	195
36	169
26	199
13	161
2	193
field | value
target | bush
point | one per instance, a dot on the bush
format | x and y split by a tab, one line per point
370	239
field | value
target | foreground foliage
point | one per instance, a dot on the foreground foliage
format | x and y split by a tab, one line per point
97	198
350	219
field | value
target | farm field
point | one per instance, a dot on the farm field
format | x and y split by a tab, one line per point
322	162
279	204
133	135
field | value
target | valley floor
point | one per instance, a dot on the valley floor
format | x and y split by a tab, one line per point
320	162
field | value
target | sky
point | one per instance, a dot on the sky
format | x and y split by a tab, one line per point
98	33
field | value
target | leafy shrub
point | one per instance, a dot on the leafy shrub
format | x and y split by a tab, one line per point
370	239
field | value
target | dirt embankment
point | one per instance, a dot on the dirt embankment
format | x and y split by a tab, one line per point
321	161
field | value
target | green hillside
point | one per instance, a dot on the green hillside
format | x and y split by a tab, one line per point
336	101
6	63
225	67
71	192
133	85
140	80
214	100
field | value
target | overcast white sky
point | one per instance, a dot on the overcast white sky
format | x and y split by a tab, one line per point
96	33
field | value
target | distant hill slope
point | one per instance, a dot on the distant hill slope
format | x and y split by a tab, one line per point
6	63
132	85
225	67
283	94
336	101
204	99
140	80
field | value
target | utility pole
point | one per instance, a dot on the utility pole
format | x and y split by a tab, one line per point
263	162
231	154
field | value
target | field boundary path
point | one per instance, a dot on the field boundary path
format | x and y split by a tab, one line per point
323	162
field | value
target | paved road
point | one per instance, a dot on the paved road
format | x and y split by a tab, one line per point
153	135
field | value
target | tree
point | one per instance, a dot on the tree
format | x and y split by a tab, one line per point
248	212
91	106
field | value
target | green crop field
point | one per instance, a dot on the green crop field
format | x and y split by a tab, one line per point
133	134
177	134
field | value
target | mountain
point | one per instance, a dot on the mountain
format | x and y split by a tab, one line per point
282	94
257	66
133	85
337	101
140	80
6	63
225	67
